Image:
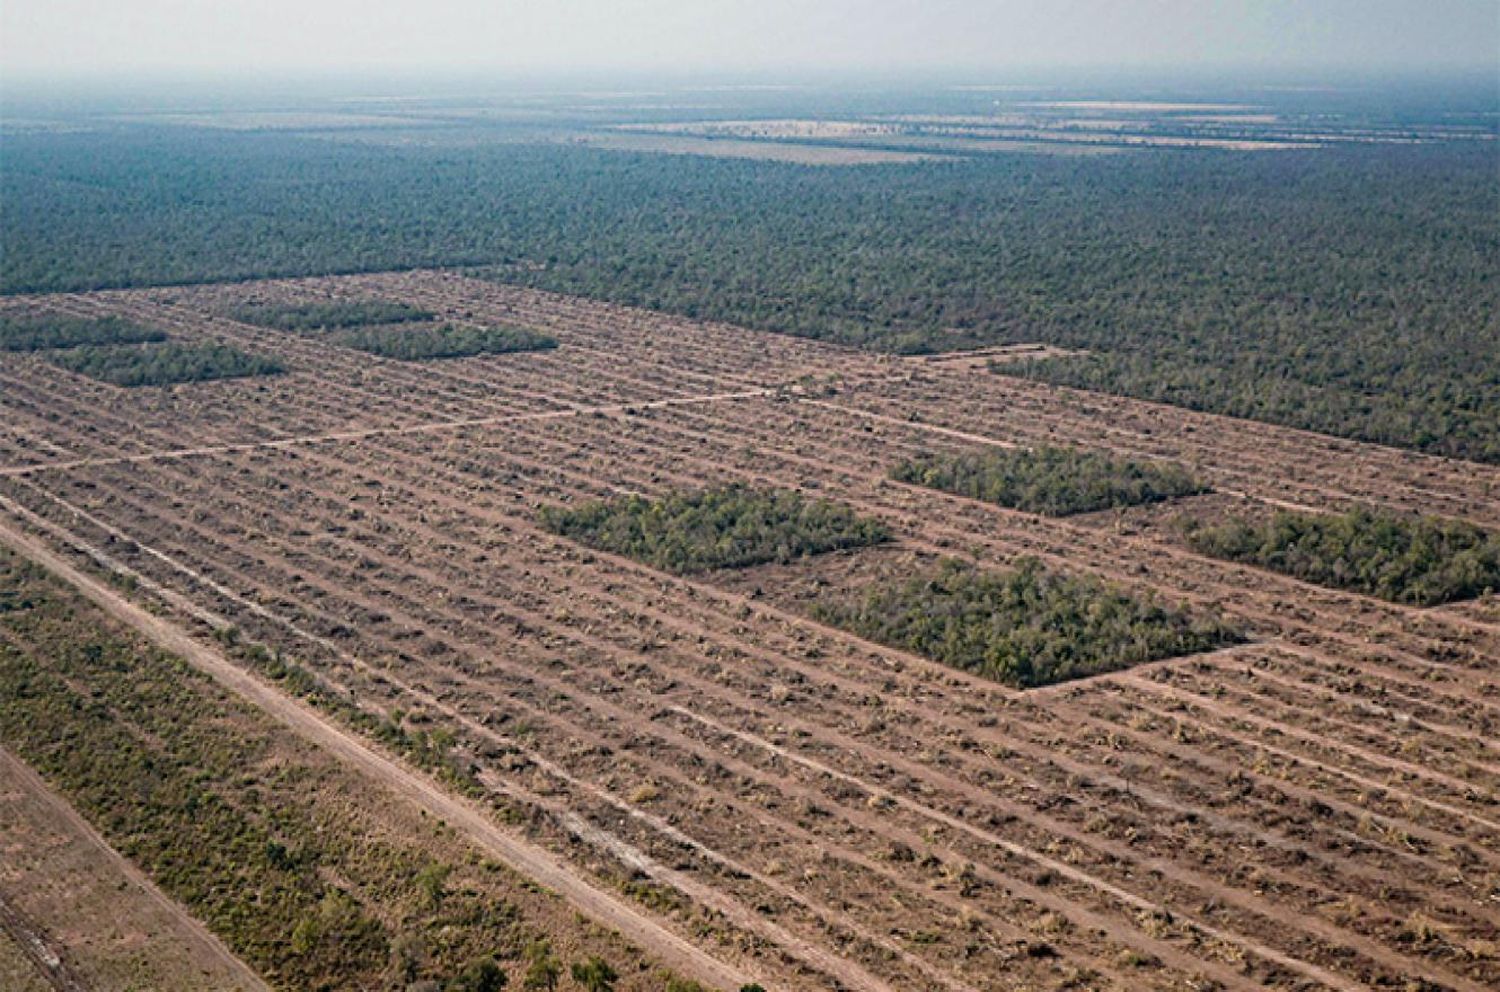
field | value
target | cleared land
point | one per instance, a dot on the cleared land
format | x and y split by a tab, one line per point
328	866
1314	809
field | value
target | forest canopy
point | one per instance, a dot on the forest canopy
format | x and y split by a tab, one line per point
1345	289
324	316
417	342
163	364
733	527
1054	481
1418	560
41	332
1025	627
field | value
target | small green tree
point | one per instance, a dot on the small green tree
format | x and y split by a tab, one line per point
543	971
595	975
432	882
483	975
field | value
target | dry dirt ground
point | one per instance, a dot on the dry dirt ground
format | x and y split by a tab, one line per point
69	897
16	970
1319	809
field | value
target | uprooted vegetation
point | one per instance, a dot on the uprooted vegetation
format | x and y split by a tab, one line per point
42	332
1054	481
1026	627
1416	560
271	843
732	527
163	364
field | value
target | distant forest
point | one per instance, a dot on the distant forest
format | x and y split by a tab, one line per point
1350	290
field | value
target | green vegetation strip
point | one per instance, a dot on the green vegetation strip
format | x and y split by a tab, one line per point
733	527
1421	561
416	343
163	364
328	316
252	835
41	332
1048	480
271	843
1027	627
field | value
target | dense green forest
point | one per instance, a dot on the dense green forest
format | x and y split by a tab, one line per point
1422	561
1025	627
411	343
390	329
46	331
324	316
1050	480
163	364
733	527
1349	289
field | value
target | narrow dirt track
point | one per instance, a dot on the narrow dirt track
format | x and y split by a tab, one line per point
18	772
526	858
49	964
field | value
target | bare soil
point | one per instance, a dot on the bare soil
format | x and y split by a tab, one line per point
1318	809
76	897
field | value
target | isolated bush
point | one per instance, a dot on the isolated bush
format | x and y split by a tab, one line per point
595	975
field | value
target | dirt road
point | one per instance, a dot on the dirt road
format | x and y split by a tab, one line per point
206	947
524	857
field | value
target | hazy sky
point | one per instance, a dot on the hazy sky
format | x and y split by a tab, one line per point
71	37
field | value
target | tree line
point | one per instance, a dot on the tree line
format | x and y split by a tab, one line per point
163	364
1051	480
325	316
417	342
1419	560
42	332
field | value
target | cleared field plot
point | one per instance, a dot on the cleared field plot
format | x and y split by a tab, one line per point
734	527
937	135
40	332
770	151
1418	560
1055	481
1314	809
163	364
